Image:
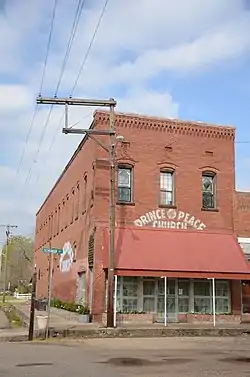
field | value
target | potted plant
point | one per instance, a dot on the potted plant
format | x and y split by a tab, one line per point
83	312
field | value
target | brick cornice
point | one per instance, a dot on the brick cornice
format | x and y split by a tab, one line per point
171	126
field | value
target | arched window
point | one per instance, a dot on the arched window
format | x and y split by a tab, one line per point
167	187
208	190
124	184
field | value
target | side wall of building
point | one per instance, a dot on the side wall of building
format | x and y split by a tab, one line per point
65	221
242	214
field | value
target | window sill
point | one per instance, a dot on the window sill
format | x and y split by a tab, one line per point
210	209
167	206
125	203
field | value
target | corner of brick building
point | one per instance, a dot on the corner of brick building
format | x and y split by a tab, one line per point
75	231
150	144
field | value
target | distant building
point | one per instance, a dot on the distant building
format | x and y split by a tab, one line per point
177	216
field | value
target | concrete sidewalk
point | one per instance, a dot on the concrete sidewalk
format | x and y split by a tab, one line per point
66	324
59	318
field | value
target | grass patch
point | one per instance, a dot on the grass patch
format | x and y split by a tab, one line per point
10	312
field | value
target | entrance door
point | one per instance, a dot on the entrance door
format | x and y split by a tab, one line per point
81	291
172	300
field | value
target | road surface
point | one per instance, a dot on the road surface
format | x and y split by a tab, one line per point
172	357
4	323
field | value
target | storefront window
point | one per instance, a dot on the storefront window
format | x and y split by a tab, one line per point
222	297
127	294
149	295
203	297
183	296
246	296
135	294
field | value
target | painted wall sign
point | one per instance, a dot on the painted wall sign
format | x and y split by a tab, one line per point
170	218
67	257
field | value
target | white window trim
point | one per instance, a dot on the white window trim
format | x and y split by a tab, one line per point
244	240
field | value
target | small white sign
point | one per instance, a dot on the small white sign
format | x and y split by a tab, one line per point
170	218
67	257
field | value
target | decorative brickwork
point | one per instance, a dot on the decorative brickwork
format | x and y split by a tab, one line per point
171	126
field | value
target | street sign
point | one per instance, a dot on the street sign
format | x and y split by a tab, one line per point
53	250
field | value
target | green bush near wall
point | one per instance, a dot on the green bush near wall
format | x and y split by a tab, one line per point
70	306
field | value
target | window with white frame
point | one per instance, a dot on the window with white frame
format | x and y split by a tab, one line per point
166	187
124	189
245	245
208	190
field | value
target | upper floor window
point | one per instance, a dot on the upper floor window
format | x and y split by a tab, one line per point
208	190
124	184
166	187
84	193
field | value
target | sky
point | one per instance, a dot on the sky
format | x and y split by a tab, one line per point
180	59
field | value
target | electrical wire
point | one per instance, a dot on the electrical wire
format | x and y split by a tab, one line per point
41	86
72	35
89	47
48	46
74	28
78	14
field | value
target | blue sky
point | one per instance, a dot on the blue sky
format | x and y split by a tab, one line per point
184	59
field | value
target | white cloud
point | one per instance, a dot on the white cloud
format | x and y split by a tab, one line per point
137	42
149	102
14	97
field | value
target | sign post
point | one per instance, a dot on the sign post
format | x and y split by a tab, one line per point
52	251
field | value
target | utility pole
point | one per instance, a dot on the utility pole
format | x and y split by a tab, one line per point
111	103
8	227
32	305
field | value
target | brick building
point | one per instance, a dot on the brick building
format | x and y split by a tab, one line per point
177	222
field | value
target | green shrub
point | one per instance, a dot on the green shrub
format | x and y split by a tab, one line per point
69	306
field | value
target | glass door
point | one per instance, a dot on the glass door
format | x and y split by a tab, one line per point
172	300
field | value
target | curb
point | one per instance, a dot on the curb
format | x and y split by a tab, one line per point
142	333
13	338
126	333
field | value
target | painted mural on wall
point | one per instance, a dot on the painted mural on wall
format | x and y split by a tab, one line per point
171	219
67	257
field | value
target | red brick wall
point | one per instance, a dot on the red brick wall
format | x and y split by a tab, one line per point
242	214
76	232
194	149
150	144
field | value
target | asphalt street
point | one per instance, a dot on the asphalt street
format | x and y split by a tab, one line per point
4	323
173	357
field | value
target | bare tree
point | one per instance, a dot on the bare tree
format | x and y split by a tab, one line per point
19	262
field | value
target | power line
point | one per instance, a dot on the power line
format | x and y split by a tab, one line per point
39	145
41	86
90	46
69	46
72	35
48	46
71	40
27	139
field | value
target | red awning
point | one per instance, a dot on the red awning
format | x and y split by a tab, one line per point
176	253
